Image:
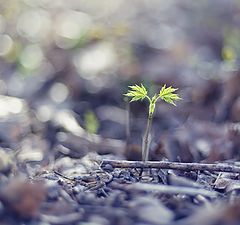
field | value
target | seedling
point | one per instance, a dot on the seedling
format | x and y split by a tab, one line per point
137	93
91	122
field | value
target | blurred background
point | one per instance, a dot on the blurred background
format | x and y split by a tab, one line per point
64	66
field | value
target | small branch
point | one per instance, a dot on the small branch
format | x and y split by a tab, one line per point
63	176
220	167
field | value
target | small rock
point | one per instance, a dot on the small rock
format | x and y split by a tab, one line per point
151	210
108	167
78	188
5	162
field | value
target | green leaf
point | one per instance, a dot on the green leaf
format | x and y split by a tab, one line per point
136	92
167	94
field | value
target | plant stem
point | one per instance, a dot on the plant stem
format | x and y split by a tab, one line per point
147	138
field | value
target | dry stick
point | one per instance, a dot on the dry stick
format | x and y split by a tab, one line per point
61	175
220	167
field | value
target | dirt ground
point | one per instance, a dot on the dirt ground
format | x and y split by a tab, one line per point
64	67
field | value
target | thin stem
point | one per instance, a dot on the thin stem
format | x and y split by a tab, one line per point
147	139
149	99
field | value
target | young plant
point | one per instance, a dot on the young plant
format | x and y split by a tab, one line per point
137	93
91	122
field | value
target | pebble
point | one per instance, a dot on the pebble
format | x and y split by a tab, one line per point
5	162
151	210
78	188
108	167
52	190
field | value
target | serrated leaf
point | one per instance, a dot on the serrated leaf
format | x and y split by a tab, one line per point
136	92
167	94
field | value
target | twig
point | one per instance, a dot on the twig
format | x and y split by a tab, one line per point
220	167
166	189
63	176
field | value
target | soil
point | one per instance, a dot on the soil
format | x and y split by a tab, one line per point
62	113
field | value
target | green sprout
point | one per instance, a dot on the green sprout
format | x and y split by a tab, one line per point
137	93
91	122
